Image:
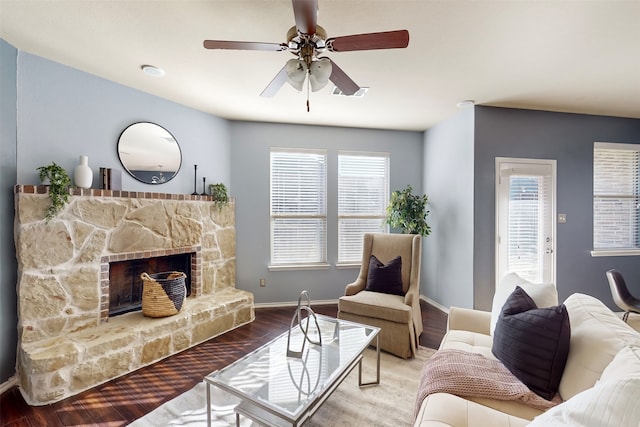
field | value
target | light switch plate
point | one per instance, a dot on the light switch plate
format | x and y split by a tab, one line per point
562	218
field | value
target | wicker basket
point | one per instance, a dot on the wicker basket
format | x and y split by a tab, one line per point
163	293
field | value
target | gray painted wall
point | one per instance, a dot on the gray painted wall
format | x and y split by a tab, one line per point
250	176
8	273
64	113
58	113
569	139
447	259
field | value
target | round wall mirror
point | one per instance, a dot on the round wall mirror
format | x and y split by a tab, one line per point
149	153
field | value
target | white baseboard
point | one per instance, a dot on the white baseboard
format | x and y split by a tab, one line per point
10	383
435	304
335	301
293	303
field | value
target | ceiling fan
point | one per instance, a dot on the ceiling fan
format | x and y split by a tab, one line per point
307	41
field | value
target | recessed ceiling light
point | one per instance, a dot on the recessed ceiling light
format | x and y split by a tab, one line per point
466	104
152	70
359	93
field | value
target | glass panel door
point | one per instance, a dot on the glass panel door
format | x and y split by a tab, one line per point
525	195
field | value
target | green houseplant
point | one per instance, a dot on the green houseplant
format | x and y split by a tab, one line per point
58	187
408	212
219	193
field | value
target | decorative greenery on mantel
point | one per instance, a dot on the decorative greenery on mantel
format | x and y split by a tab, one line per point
58	187
219	194
408	212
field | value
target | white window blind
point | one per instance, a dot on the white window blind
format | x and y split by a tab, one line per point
528	202
616	196
363	195
298	207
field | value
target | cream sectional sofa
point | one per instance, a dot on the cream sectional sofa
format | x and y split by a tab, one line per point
600	384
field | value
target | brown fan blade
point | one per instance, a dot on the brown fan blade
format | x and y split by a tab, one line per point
370	41
341	80
306	15
275	85
222	44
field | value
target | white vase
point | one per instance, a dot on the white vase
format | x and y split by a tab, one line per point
83	175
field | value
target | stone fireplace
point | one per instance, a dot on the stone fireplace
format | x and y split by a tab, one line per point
68	342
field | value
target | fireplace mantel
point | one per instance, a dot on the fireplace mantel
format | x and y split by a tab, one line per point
95	192
61	280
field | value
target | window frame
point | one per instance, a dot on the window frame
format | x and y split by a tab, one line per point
320	214
364	216
614	251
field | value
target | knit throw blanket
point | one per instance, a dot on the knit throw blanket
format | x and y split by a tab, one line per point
473	375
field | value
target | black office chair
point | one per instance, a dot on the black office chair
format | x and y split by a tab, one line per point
621	295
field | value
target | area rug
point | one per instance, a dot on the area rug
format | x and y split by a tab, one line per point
389	404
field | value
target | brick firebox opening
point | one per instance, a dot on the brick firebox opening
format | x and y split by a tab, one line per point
125	283
157	259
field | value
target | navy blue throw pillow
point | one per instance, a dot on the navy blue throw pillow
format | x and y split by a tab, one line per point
385	278
532	342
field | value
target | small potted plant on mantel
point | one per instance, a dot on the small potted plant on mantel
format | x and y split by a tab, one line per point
219	193
408	212
58	181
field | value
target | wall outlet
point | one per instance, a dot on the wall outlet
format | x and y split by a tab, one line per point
263	282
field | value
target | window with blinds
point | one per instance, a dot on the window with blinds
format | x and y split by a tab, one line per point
363	195
616	196
298	207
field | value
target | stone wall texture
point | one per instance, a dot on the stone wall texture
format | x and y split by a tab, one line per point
65	345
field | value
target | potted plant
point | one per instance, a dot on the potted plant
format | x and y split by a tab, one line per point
219	193
58	187
408	212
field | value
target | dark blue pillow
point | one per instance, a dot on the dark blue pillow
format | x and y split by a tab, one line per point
385	278
532	342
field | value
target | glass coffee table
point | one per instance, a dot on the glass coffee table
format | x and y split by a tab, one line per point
276	390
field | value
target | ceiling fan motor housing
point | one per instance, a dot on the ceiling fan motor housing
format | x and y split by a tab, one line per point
306	46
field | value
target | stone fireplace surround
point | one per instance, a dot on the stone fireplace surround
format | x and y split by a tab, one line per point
67	342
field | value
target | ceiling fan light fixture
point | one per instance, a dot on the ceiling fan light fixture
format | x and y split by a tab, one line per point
296	73
319	73
152	70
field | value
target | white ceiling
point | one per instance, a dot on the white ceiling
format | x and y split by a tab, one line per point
571	56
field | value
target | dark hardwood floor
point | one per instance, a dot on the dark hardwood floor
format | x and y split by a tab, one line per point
127	398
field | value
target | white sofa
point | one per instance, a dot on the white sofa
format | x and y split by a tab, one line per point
600	384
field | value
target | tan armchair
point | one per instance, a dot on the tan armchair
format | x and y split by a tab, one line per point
399	317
